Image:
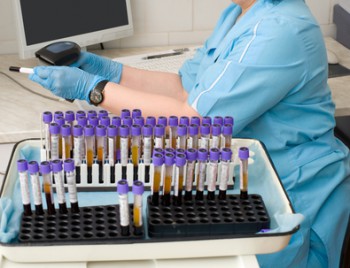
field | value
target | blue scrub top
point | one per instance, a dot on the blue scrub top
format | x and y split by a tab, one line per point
269	71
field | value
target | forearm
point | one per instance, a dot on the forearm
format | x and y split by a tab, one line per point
118	97
167	84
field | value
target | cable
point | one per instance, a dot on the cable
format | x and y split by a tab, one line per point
28	89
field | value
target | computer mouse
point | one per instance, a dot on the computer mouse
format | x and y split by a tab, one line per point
331	57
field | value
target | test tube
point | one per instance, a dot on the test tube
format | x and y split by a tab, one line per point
80	113
173	124
127	120
101	148
158	162
218	120
112	132
139	120
180	151
159	136
45	169
102	113
228	120
205	136
22	167
91	113
135	148
206	120
151	120
54	140
117	121
79	149
181	137
105	121
193	136
93	121
190	172
243	154
202	158
124	148
184	120
68	166
47	119
214	155
226	136
82	120
66	133
57	114
89	133
195	120
58	176
60	121
137	190
226	155
33	169
158	151
124	113
169	163
123	189
147	133
215	136
135	113
69	117
180	162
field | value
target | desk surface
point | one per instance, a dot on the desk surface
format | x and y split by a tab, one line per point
21	110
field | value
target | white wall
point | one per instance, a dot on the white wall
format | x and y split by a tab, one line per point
165	22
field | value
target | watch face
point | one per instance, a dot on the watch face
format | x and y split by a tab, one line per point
96	97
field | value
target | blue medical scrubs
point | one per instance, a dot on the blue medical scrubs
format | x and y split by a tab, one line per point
269	71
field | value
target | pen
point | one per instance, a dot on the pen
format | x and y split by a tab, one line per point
163	55
21	69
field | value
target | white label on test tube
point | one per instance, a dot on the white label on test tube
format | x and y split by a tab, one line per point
78	150
124	147
201	176
72	188
158	142
60	187
213	171
176	182
54	147
111	151
36	189
23	177
215	142
204	143
147	150
189	176
224	175
124	210
190	142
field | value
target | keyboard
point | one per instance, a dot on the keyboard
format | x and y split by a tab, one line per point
165	61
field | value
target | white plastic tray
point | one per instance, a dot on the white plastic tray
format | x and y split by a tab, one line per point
263	180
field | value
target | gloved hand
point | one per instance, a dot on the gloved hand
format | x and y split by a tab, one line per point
98	65
67	82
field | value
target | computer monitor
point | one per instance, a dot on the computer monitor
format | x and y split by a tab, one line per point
85	22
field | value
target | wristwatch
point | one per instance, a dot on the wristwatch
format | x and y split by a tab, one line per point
96	95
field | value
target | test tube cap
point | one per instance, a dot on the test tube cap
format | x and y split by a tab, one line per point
57	113
80	113
157	159
147	130
59	120
227	129
102	113
158	151
69	116
45	167
226	154
22	165
68	165
135	113
184	120
151	120
124	130
138	188
218	120
135	130
216	129
54	128
105	120
243	153
112	131
180	160
116	121
33	167
159	130
89	131
93	120
56	165
139	120
77	130
82	120
123	187
169	159
173	121
193	129
195	120
205	129
182	130
66	130
180	151
228	120
214	154
101	131
191	154
91	113
202	154
47	117
169	150
127	120
206	120
162	120
124	113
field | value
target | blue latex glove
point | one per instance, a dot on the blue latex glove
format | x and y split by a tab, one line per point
98	65
67	82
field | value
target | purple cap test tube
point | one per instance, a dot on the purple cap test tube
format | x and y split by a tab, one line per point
82	120
184	120
47	117
218	120
69	116
151	120
135	113
162	120
116	121
124	113
243	153
105	120
91	113
195	120
22	165
102	113
94	120
54	128
139	120
66	130
206	120
123	187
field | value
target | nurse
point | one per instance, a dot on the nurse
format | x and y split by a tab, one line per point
264	64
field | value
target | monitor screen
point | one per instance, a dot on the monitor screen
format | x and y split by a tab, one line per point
86	22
